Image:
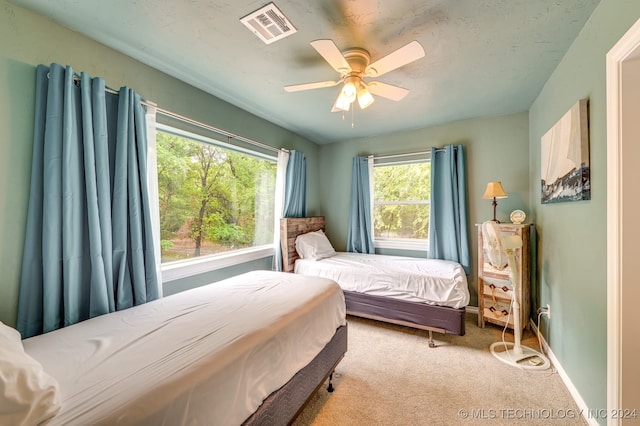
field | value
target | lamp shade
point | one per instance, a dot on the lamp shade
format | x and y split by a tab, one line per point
349	91
364	96
342	103
494	190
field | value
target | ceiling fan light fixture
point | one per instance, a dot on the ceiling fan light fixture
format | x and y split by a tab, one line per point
342	103
365	98
349	89
353	65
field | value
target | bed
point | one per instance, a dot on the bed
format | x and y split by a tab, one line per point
251	349
378	286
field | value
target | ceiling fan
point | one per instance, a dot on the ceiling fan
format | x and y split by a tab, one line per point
354	66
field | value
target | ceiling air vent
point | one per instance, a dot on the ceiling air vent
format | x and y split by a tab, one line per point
269	24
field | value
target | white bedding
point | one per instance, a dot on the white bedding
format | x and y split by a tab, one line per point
436	282
204	356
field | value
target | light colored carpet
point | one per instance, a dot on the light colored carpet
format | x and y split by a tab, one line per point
390	376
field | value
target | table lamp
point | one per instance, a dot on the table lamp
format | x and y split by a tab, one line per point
494	190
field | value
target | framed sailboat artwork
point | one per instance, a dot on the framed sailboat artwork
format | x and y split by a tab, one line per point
565	172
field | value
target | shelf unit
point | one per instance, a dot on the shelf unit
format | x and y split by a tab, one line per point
495	291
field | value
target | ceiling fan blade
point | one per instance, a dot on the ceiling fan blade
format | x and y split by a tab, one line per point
309	86
396	59
388	91
331	54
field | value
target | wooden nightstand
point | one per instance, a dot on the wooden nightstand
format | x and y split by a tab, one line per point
494	287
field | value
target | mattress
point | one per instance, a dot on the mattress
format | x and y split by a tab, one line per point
431	281
210	355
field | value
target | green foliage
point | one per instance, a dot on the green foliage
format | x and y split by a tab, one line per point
212	196
229	234
173	170
403	182
401	205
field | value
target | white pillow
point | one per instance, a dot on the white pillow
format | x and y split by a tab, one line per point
28	395
314	245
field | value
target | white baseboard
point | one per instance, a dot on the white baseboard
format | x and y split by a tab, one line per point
584	409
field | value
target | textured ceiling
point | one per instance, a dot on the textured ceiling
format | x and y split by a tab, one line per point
483	57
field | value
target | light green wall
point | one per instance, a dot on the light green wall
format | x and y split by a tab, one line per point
572	236
495	148
26	40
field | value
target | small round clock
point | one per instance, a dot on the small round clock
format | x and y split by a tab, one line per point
517	217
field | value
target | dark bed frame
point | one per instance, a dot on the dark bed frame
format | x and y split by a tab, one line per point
284	405
440	319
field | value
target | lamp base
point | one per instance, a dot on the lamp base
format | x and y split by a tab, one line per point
495	204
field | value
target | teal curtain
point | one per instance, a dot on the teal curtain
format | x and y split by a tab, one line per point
448	219
281	172
89	243
359	238
295	195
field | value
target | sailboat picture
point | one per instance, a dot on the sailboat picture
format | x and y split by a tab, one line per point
565	172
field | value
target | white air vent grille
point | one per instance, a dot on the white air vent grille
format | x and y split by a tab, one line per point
269	24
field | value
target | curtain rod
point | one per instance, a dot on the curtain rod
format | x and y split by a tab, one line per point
444	149
408	154
251	141
215	129
204	126
455	147
379	157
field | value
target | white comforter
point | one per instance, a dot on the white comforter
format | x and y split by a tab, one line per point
436	282
202	357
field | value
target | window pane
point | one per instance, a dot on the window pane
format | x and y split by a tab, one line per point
401	221
401	200
212	199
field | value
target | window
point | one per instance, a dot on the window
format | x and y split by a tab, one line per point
401	192
213	198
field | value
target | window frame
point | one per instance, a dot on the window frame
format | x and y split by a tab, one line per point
179	269
410	244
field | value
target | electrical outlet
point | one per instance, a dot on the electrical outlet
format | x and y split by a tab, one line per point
548	311
545	310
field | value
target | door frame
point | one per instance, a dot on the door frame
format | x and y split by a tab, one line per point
626	48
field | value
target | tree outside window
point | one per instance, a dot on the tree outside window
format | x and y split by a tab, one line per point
212	199
401	194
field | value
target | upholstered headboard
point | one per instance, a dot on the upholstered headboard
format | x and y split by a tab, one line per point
290	228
